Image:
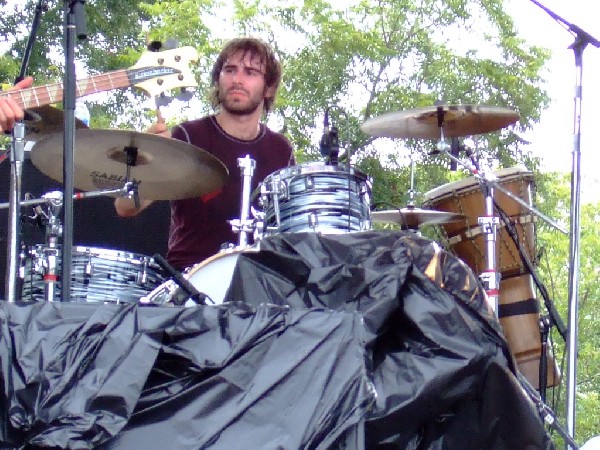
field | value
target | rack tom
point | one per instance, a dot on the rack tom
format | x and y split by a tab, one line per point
98	275
330	199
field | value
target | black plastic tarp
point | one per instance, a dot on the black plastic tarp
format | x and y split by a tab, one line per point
361	340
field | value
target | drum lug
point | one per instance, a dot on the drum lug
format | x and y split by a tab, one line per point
88	270
313	220
22	262
309	182
142	276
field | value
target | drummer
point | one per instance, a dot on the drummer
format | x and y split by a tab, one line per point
245	79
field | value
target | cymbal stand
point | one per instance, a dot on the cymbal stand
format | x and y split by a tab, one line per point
244	226
53	234
489	224
17	155
490	179
411	191
490	277
54	200
126	191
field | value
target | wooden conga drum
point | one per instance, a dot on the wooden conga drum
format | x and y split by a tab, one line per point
518	308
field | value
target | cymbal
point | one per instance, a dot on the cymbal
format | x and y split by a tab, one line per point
45	120
166	169
422	123
412	218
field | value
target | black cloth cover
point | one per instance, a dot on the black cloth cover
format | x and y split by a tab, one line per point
363	340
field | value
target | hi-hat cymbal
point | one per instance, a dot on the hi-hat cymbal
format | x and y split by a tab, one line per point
166	169
423	123
45	120
413	218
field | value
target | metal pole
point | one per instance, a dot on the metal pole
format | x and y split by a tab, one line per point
574	259
247	166
14	212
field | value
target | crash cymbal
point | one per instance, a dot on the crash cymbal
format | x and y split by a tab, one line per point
412	218
45	120
166	169
457	120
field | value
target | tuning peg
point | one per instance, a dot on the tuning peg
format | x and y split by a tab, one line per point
154	46
163	100
171	43
185	95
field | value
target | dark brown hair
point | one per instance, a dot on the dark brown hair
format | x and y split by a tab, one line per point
257	49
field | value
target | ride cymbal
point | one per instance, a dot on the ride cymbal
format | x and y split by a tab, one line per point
44	121
424	123
165	168
413	218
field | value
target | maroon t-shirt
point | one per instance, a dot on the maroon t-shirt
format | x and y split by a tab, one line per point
199	226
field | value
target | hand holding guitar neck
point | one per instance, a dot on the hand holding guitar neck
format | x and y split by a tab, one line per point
10	110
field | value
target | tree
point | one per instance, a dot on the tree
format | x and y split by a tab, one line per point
376	57
553	200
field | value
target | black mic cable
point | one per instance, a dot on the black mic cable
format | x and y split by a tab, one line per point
325	143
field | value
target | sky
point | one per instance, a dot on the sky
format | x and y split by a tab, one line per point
553	137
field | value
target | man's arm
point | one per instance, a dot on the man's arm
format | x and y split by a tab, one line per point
125	207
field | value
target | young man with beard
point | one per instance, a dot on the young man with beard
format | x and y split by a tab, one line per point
245	79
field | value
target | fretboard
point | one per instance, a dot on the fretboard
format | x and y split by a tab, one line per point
53	93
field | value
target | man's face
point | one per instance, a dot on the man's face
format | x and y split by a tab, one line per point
242	84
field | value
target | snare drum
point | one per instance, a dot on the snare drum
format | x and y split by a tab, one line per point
315	197
211	277
98	275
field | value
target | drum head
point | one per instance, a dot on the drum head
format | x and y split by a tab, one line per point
211	277
471	184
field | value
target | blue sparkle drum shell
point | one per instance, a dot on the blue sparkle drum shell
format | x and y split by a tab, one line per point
315	197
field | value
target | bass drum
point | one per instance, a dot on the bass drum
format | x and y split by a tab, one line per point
211	277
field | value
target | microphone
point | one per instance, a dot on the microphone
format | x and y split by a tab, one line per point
325	144
455	148
334	142
191	291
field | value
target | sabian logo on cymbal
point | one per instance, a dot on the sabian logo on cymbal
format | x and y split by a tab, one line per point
103	180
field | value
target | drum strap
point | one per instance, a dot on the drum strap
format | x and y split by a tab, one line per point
529	306
476	231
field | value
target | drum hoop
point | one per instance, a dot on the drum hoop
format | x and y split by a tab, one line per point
314	168
112	255
105	254
473	232
466	185
223	253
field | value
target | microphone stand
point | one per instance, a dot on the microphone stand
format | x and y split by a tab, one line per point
582	39
554	315
75	27
16	168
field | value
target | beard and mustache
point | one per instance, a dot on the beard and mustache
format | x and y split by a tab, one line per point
240	108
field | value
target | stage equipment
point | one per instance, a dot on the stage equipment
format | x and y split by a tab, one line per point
162	168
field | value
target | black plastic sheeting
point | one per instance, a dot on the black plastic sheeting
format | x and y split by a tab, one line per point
363	340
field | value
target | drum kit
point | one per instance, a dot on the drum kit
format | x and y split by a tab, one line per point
328	198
